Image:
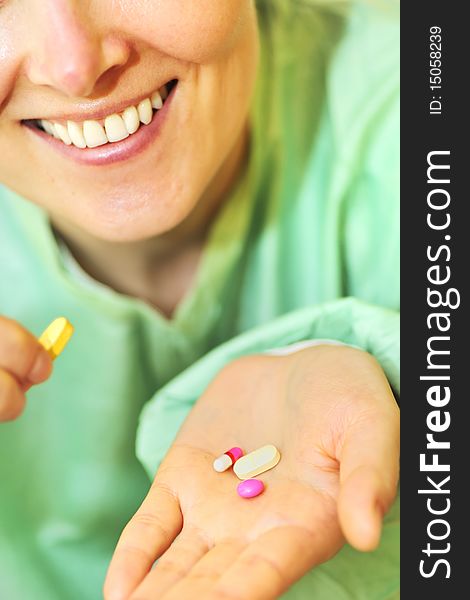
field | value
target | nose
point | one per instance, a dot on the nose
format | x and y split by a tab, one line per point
69	51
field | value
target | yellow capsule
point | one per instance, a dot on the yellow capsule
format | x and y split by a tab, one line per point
56	336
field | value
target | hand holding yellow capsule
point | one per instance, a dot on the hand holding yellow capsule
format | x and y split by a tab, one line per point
56	337
24	363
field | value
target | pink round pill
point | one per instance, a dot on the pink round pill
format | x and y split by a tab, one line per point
250	488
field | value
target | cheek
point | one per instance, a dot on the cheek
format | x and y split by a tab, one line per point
9	63
196	32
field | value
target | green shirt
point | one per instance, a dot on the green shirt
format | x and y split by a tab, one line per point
313	220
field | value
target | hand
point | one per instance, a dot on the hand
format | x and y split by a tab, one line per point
331	413
23	363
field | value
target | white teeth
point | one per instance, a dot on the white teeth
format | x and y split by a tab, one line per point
47	126
145	111
115	128
76	134
131	119
156	100
94	134
63	133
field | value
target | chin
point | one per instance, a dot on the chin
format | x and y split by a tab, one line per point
133	221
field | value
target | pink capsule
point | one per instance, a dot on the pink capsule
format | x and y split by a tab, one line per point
250	488
227	459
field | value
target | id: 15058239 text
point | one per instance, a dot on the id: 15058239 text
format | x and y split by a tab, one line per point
435	70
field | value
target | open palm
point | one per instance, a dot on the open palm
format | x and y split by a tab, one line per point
332	416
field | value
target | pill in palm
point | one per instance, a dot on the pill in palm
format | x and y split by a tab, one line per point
257	462
227	459
56	336
250	488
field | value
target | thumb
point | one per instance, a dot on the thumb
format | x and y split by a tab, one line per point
369	467
40	370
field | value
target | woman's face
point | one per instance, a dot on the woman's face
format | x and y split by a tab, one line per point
67	62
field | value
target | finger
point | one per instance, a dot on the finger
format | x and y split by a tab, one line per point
147	535
40	371
21	354
205	573
188	550
369	466
272	563
12	399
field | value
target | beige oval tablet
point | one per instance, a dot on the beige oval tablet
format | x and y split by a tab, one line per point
257	462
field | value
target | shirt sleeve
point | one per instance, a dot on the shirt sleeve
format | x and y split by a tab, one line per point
348	320
298	346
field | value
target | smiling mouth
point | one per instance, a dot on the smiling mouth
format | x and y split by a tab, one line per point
113	128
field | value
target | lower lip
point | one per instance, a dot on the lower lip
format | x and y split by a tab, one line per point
115	152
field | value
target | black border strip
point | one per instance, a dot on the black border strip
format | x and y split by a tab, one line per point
424	131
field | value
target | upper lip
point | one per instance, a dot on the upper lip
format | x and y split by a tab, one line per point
94	111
